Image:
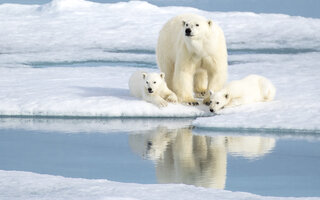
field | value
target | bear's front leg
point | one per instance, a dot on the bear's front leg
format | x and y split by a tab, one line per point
172	98
216	81
200	83
168	95
217	70
157	100
183	82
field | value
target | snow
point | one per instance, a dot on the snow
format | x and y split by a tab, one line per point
78	92
103	92
26	185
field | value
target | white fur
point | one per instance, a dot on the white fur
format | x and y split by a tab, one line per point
151	87
192	64
253	88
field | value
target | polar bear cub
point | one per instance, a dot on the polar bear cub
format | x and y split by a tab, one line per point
152	88
253	88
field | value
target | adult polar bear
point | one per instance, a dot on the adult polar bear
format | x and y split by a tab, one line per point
192	53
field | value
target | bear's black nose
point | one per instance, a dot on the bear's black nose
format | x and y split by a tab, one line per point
150	90
188	32
211	110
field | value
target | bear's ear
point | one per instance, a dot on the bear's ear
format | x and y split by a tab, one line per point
210	23
162	75
210	92
183	23
144	75
226	96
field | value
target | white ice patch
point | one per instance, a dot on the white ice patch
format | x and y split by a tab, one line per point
26	185
79	92
42	47
103	92
78	30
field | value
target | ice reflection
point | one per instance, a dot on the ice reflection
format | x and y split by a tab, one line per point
183	157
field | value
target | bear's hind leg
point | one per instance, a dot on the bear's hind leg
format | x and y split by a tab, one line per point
268	91
169	75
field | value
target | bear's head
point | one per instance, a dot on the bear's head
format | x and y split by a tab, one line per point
152	82
218	100
196	27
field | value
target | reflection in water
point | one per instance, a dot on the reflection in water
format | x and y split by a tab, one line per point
181	157
250	147
98	149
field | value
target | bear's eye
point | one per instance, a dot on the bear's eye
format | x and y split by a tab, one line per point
197	24
147	82
187	24
217	102
154	82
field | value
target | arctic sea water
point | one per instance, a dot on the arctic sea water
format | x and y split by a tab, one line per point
270	164
64	67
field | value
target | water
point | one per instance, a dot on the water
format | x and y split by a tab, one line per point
163	151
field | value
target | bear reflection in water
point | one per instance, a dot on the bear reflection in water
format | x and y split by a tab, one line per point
181	157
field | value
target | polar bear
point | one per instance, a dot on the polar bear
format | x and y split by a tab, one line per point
192	53
151	87
253	88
